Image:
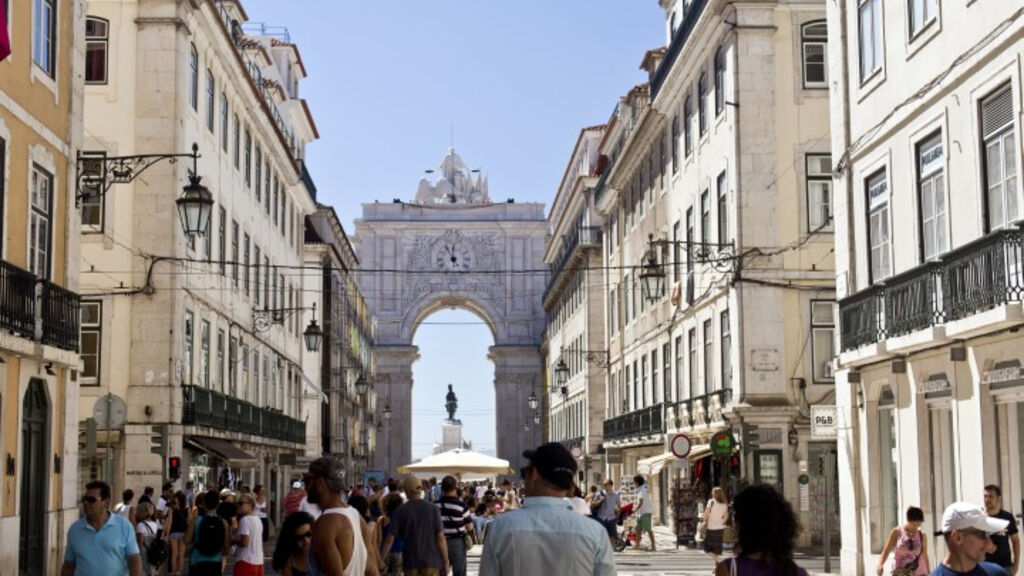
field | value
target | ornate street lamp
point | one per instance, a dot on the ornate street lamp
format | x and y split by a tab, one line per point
313	335
96	173
532	401
652	276
386	413
361	385
561	373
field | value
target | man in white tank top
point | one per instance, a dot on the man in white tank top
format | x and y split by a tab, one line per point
340	534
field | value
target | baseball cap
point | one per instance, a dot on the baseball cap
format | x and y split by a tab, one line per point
297	484
411	485
962	515
554	463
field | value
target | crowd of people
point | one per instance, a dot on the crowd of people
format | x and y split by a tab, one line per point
416	527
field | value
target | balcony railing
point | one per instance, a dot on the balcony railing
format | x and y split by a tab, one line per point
307	179
979	276
582	236
690	18
698	410
17	300
203	407
643	422
60	317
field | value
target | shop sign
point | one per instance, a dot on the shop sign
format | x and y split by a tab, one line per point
723	443
1001	375
934	385
680	445
823	422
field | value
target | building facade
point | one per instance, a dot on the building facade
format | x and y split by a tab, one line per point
926	108
199	337
348	423
40	135
575	346
717	178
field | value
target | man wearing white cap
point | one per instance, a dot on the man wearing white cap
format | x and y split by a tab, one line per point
967	530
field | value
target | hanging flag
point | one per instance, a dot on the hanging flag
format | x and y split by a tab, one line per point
5	40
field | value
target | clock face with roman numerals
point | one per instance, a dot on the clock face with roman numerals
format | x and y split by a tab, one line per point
449	256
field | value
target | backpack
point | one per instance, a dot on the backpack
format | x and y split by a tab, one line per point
156	552
210	540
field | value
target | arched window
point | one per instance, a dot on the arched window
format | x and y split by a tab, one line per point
719	80
96	41
814	38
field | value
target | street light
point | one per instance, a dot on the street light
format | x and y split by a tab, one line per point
536	417
652	276
361	385
313	335
532	401
561	373
96	173
386	413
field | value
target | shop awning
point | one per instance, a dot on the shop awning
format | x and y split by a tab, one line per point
698	452
654	464
225	450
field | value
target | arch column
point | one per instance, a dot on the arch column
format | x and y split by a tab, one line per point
394	387
517	372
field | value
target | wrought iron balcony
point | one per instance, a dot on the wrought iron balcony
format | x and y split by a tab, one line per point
583	236
17	300
307	179
979	276
643	422
686	27
60	317
204	407
913	300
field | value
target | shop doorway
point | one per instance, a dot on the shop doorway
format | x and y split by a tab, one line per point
34	439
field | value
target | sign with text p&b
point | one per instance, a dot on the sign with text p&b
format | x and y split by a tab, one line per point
823	422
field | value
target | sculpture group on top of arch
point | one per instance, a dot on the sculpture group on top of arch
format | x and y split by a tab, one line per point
457	184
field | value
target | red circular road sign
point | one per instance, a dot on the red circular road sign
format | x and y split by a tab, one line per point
680	445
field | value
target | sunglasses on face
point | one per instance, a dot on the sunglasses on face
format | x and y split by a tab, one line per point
89	499
306	534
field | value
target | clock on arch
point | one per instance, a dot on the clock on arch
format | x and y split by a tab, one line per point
451	255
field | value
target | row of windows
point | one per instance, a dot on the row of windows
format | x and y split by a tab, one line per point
637	384
569	421
1001	192
920	15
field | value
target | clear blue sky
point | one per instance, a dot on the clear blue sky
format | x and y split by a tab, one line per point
516	81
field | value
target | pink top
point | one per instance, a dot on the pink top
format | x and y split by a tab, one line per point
908	547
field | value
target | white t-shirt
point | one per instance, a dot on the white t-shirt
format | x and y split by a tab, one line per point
645	507
716	515
579	506
253	553
124	510
147	528
161	506
311	509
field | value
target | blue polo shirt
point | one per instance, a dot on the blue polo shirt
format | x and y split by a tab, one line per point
104	552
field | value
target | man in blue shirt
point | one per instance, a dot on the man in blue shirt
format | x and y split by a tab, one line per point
968	531
545	536
101	543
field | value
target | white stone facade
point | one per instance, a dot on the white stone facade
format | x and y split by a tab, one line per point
926	138
177	336
419	257
574	303
718	155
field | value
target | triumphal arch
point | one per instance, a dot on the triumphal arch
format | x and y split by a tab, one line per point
451	246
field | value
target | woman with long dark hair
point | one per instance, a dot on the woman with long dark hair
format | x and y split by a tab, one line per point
766	528
291	556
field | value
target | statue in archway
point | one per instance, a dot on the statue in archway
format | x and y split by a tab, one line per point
451	403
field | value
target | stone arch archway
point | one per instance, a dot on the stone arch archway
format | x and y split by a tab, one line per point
453	248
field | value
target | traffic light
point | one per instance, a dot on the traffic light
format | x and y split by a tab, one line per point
174	467
159	439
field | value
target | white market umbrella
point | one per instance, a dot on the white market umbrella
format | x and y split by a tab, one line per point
458	462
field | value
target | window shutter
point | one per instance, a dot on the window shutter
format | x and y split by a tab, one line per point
997	112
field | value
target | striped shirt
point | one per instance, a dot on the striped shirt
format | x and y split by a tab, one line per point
454	516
